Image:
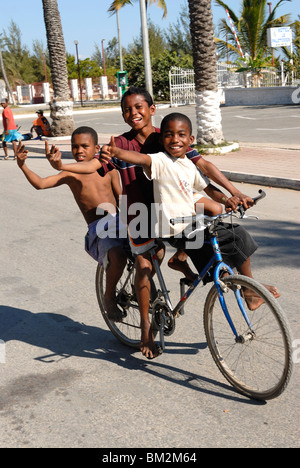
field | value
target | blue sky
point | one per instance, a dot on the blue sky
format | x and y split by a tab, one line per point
88	21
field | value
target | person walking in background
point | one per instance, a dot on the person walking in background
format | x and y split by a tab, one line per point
40	125
10	132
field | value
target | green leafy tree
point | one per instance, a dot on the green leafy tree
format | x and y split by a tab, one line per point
157	41
292	60
88	68
256	66
17	59
251	26
178	35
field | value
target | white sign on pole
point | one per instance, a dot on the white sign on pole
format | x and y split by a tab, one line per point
279	37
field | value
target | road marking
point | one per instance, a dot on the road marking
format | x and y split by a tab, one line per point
247	118
277	129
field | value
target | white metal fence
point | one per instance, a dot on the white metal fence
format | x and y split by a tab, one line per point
182	84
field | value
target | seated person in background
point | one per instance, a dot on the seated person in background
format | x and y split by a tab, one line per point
41	125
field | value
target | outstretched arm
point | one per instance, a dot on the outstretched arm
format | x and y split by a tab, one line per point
54	157
211	171
34	179
139	159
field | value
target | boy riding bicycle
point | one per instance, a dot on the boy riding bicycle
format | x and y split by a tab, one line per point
176	138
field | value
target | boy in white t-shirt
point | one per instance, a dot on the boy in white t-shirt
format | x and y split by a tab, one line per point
175	179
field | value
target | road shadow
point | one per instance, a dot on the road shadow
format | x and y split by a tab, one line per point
278	242
63	337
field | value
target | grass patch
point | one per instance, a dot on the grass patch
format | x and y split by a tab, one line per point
208	148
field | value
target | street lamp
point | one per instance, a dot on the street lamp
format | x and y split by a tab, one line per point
78	67
103	55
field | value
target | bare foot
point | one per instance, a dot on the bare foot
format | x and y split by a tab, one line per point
113	312
179	263
148	346
254	302
273	290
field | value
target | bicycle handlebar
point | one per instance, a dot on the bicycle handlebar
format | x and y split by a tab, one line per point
211	219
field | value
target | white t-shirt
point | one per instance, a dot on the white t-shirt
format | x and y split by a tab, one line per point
174	183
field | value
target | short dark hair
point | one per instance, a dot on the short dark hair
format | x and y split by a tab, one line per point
134	90
86	130
176	116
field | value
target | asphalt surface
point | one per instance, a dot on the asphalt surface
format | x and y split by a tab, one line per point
67	382
263	125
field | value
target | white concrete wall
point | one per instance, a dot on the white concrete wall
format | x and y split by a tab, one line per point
283	95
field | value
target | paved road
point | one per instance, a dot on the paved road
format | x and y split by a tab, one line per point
67	382
269	125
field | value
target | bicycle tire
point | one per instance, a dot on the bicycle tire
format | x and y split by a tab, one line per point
128	331
261	367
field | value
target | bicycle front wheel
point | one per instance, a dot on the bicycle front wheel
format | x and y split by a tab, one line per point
258	361
128	331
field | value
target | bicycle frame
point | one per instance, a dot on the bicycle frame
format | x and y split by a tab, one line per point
220	266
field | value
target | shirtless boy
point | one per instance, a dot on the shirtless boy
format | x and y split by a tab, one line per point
89	191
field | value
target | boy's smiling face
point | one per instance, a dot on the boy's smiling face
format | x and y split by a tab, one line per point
136	112
176	138
83	147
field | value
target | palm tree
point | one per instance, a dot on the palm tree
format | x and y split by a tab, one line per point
117	4
61	107
10	93
209	121
115	7
251	26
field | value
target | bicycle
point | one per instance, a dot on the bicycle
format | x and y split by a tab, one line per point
252	349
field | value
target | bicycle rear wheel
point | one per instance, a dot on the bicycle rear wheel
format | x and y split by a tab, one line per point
128	331
258	363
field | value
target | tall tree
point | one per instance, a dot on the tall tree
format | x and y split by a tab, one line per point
61	107
251	25
209	121
10	93
117	4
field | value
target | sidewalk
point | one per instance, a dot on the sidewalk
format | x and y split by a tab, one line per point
274	167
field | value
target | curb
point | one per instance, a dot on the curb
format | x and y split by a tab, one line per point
270	181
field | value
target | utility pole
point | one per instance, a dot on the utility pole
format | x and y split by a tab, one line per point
103	56
146	48
119	40
270	11
78	68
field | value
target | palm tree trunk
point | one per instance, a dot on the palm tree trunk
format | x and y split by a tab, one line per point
10	93
61	107
208	111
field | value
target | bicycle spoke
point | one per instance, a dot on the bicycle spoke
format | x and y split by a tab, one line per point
258	364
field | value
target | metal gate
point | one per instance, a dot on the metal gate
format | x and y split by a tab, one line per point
182	86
